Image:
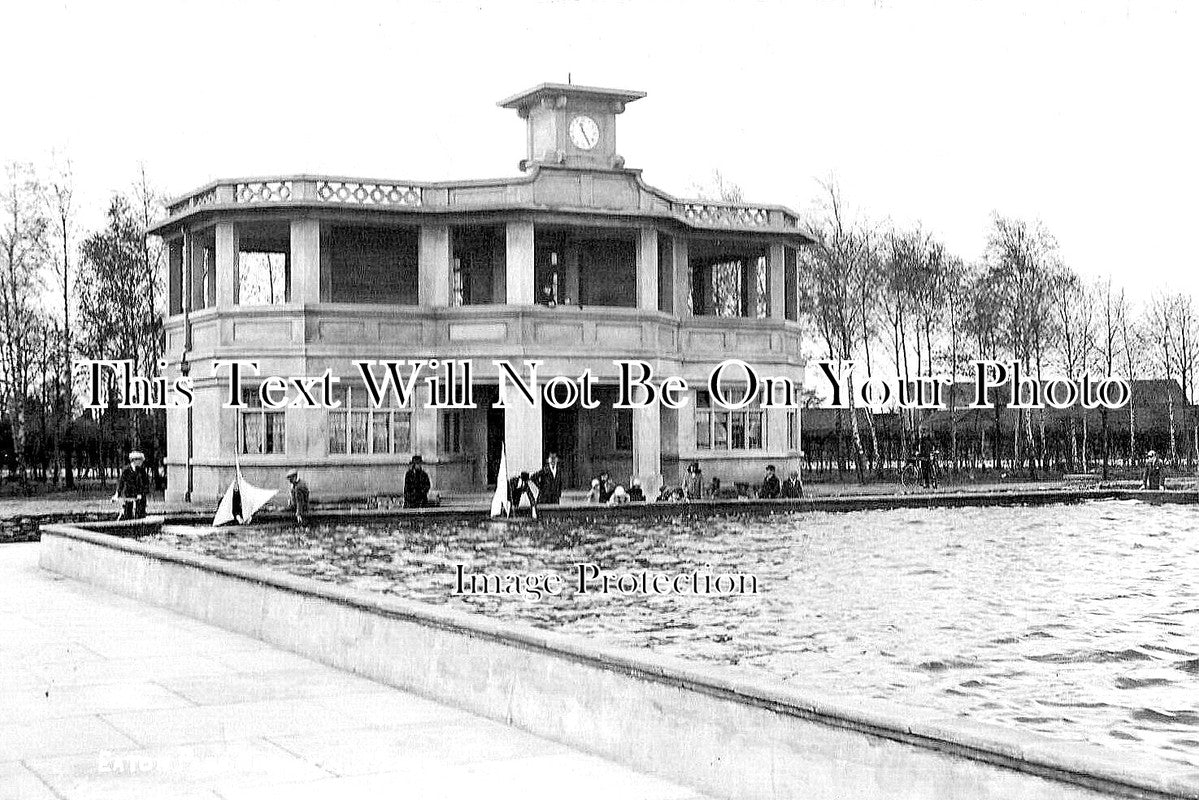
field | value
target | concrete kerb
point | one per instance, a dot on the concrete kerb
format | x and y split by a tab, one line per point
1064	764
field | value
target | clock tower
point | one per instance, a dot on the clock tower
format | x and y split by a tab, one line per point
571	126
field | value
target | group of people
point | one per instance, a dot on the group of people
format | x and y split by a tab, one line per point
543	487
693	487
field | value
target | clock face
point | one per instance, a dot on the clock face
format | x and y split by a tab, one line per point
584	132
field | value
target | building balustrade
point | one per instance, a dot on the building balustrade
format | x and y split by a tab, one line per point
449	196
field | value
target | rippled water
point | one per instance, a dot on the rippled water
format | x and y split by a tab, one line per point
1077	621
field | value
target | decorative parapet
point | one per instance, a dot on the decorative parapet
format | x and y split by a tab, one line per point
733	215
371	194
467	195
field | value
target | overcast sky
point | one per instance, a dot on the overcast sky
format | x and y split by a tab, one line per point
1081	114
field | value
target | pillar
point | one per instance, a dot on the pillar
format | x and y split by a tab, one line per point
647	270
776	281
682	277
522	432
434	265
647	447
227	280
305	261
196	298
519	269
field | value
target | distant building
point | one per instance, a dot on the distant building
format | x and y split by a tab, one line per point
576	262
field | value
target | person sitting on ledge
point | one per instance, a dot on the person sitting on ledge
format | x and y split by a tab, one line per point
607	487
619	496
299	497
416	484
593	496
636	493
132	487
523	494
771	488
793	486
665	494
1152	476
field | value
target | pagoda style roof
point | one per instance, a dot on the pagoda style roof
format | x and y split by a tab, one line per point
531	96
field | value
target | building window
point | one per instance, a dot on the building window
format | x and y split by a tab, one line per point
719	429
451	432
360	428
263	431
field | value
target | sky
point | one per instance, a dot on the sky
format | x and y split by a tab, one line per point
1082	115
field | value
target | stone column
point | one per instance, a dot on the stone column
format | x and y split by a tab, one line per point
305	261
776	281
434	261
519	272
227	280
647	270
522	433
647	448
682	276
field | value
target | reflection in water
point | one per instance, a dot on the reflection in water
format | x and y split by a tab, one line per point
1080	622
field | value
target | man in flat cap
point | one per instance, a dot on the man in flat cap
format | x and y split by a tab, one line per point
133	486
299	497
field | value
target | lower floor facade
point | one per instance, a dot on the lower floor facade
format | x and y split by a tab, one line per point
360	450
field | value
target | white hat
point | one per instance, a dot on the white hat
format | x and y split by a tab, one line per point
136	454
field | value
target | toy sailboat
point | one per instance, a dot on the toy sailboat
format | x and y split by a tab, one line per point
241	501
501	506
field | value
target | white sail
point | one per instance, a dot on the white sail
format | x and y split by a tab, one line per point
240	502
500	505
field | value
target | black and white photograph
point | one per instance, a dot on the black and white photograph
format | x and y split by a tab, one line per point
617	400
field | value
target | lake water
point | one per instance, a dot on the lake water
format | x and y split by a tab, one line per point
1080	622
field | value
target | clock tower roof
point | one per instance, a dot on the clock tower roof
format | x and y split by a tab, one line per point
571	126
522	100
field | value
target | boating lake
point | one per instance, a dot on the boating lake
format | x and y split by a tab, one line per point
1080	622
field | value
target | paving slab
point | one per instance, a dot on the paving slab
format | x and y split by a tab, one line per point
104	697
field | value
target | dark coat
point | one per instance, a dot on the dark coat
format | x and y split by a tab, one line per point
134	482
792	488
416	488
549	485
299	500
771	488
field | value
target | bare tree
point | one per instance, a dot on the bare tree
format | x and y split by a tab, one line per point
60	197
23	251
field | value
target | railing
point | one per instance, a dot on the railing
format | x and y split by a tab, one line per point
404	194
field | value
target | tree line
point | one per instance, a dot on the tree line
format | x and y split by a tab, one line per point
897	299
66	294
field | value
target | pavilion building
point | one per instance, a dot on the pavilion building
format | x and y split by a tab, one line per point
575	263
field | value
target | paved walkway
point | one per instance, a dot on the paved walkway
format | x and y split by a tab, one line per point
104	697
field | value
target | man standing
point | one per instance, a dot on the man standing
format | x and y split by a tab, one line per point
1152	476
416	484
133	486
299	497
548	481
771	488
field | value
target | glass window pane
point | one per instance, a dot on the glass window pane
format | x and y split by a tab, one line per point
337	432
251	432
703	430
359	431
403	429
381	430
737	441
754	430
276	432
720	431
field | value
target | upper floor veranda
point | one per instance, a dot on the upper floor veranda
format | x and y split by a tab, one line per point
598	243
